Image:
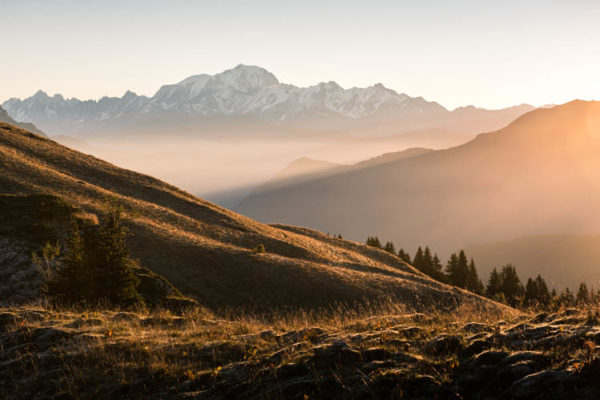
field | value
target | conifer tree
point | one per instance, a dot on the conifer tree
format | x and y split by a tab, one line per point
427	263
373	241
404	256
494	285
70	283
418	259
583	295
437	269
97	267
463	270
543	294
473	282
511	285
566	298
390	248
531	293
116	280
452	270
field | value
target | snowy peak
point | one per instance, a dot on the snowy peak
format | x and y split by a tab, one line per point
247	78
244	90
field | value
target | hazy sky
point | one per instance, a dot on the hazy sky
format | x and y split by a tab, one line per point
486	53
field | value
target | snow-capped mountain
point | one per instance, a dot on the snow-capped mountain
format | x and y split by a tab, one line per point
238	92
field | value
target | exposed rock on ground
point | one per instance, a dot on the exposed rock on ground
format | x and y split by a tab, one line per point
47	354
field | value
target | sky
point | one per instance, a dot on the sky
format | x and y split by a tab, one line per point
490	54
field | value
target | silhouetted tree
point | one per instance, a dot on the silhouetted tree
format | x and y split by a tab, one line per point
437	272
97	267
390	248
452	270
373	241
511	285
583	294
566	298
418	259
494	285
404	256
473	283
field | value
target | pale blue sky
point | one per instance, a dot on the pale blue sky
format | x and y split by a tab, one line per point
490	54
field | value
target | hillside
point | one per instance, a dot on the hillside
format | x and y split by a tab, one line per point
306	169
539	175
207	251
461	355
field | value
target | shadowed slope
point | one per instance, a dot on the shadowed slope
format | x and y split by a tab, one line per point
206	250
538	175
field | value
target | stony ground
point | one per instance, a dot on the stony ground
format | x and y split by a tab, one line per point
66	355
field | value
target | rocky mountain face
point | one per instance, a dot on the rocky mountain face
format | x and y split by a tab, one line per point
256	96
4	117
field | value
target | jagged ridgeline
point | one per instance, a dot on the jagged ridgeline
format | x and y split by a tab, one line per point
207	252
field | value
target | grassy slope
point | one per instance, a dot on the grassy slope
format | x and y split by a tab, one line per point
204	249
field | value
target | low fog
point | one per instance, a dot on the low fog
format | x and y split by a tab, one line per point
225	169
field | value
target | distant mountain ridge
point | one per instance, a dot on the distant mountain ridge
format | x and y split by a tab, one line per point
4	117
255	93
538	175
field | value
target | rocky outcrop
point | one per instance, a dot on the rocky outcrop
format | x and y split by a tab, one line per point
21	280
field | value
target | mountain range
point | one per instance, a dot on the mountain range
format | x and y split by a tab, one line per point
537	176
252	98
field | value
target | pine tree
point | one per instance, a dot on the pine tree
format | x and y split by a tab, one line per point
494	285
452	270
437	269
566	298
404	256
531	293
473	282
511	285
543	295
583	294
427	263
373	241
70	282
390	248
418	259
463	270
116	280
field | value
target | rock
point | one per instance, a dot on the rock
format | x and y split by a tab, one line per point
410	331
538	319
489	357
535	357
8	320
474	327
375	353
46	337
125	317
477	346
338	355
443	344
555	384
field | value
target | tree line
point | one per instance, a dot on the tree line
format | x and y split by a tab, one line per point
503	284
